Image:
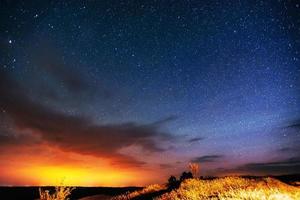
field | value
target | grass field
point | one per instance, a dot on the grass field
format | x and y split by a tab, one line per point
228	188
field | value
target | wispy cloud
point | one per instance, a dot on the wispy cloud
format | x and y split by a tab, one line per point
196	139
207	158
293	124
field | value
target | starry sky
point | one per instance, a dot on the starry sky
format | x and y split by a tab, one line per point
119	93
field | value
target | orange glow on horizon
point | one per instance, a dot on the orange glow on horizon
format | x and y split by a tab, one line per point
75	176
56	167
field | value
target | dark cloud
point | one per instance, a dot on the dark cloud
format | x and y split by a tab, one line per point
207	158
286	150
291	165
7	140
165	120
293	125
289	138
196	139
75	133
48	60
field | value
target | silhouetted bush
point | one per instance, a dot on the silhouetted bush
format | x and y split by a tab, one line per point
173	183
185	175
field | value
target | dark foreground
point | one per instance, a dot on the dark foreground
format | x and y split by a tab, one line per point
31	193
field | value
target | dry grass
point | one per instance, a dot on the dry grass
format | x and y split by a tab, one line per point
60	193
146	190
260	194
228	188
233	188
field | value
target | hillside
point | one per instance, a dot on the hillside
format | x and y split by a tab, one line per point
227	188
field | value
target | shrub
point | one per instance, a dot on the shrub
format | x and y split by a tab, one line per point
60	193
173	183
195	169
185	175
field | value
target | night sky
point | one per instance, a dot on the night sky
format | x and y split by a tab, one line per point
129	92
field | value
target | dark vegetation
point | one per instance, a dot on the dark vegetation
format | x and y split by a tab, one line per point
173	183
31	193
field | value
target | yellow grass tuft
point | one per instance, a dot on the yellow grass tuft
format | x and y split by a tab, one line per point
60	193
